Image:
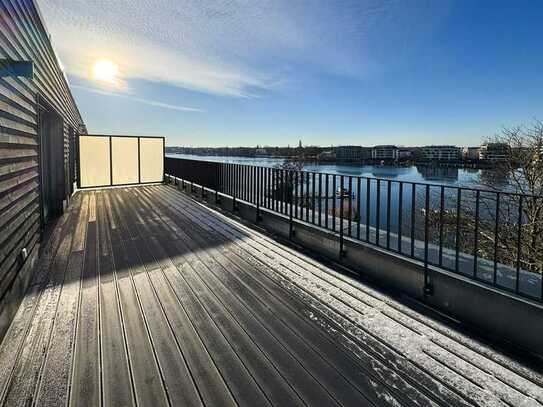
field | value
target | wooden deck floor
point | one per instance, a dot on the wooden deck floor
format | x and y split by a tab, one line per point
149	298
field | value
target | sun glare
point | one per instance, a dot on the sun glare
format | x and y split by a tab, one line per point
105	70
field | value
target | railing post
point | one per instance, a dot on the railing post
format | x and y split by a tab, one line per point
428	289
341	226
256	195
234	181
290	221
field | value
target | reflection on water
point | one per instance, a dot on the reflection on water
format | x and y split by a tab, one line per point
438	175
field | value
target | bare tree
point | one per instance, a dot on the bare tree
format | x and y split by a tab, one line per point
515	197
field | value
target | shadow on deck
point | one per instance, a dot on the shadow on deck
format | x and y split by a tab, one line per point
150	298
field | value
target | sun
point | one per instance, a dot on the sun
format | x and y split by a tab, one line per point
106	71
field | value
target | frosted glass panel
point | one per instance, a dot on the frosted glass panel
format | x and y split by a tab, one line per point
152	159
94	161
124	151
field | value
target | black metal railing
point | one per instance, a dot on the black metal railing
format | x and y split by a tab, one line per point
495	237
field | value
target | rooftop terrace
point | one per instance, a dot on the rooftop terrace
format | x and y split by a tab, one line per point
148	297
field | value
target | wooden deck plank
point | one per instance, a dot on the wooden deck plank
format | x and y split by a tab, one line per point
177	378
27	373
245	248
438	361
274	385
292	322
146	375
281	395
209	381
116	375
55	380
11	346
147	297
86	390
241	384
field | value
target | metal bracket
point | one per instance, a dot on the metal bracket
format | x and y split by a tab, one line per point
428	289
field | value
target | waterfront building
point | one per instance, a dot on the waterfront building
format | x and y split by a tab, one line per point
352	153
494	151
440	153
385	152
471	153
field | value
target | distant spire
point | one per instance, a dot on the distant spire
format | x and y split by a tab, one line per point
300	144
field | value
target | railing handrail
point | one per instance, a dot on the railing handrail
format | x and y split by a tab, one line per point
430	184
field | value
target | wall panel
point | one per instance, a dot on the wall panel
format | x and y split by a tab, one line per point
124	153
23	37
95	161
152	159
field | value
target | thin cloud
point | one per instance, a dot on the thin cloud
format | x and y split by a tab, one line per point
233	47
140	100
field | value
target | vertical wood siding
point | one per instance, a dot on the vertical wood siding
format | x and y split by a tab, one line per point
23	37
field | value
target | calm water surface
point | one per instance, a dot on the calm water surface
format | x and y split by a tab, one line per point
439	175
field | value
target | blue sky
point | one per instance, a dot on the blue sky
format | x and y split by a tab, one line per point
226	72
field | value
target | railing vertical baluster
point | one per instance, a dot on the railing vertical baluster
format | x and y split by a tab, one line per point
254	170
326	192
234	184
378	213
368	208
313	198
307	198
389	190
273	201
350	205
341	225
441	210
427	287
228	178
247	183
334	202
413	205
290	174
358	208
519	237
267	187
496	237
282	191
296	181
261	185
476	235
258	186
400	215
320	199
458	215
216	180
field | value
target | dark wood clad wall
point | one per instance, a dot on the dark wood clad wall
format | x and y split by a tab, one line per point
23	37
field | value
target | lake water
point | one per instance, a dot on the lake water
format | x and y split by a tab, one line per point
436	175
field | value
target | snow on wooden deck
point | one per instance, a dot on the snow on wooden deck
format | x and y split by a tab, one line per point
146	297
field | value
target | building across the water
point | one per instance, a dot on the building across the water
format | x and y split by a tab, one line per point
352	153
470	153
385	152
494	151
440	153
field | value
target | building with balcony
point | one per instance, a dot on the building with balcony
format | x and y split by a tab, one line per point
471	153
385	152
494	152
352	153
440	153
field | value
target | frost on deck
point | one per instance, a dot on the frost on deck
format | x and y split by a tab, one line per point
147	297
